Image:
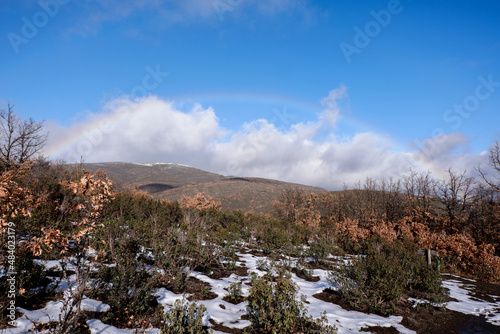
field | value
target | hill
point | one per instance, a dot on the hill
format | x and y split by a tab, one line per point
172	181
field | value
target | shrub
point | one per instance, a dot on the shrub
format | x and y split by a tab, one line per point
179	253
126	287
184	318
32	284
130	292
274	240
376	282
151	218
230	257
302	270
320	249
32	277
234	293
274	308
205	291
200	202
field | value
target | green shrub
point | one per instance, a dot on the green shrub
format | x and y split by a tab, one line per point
274	240
320	249
377	282
274	308
184	318
149	217
31	276
180	253
125	286
229	253
302	270
205	291
297	251
234	293
31	279
263	265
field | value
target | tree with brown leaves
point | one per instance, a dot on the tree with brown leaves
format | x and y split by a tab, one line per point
200	202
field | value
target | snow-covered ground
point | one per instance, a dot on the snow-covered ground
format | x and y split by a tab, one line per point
468	304
230	315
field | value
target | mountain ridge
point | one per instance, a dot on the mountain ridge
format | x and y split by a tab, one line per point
173	181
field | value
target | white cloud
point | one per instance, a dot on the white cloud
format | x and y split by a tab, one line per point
146	129
151	129
163	13
444	151
442	144
93	13
331	105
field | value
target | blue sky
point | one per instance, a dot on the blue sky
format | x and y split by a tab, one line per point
318	92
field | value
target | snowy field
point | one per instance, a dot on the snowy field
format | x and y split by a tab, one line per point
230	315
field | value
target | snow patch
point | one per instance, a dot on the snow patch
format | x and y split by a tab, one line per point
470	305
230	315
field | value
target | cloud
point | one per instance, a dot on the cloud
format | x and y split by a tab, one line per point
147	129
152	129
440	145
163	13
331	105
294	156
444	151
92	14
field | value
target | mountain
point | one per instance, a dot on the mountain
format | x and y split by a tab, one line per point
172	181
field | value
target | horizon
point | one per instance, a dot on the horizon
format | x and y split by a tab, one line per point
310	92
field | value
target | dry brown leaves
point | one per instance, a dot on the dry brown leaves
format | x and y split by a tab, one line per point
92	192
200	202
15	199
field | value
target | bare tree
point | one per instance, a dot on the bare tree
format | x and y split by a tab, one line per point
392	199
495	164
455	194
20	139
485	215
418	187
